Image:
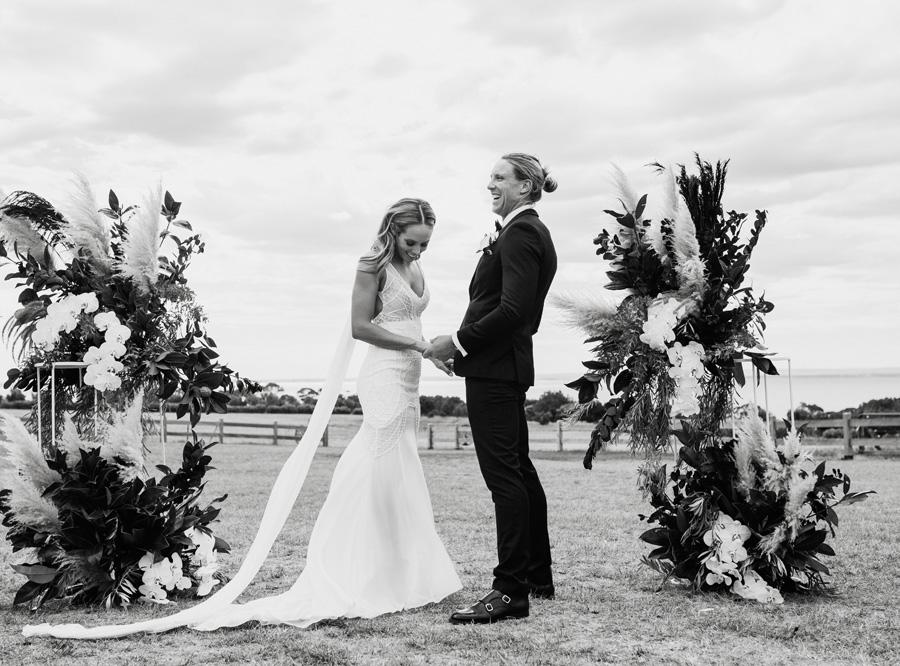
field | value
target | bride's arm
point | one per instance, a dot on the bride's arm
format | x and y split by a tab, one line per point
365	295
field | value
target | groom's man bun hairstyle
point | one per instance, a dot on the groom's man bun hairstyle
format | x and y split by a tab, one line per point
528	167
405	213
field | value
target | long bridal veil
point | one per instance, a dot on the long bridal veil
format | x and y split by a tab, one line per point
281	501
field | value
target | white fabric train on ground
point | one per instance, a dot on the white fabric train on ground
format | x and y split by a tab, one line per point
374	548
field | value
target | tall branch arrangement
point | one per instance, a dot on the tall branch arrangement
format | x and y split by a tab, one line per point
743	513
669	348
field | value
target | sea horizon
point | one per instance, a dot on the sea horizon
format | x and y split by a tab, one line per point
832	389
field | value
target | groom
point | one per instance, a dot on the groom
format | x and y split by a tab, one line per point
493	351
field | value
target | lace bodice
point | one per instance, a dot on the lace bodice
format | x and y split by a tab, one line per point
388	381
398	301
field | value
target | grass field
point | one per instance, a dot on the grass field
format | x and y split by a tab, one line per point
607	608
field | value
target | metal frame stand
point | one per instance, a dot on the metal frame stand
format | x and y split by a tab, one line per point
755	375
59	365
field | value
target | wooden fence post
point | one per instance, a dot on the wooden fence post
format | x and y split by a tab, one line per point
275	433
221	431
458	447
430	437
559	434
325	437
848	438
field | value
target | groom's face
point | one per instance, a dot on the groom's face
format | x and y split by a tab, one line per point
507	192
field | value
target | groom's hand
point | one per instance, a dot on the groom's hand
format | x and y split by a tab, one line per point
442	348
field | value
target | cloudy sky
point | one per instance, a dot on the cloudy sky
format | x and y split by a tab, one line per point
287	128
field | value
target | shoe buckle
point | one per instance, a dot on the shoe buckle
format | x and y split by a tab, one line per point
489	607
506	599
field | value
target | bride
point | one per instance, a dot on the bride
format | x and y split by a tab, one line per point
374	548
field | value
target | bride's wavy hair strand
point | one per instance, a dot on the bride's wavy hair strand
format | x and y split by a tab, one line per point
405	213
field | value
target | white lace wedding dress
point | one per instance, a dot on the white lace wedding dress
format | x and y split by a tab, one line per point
374	548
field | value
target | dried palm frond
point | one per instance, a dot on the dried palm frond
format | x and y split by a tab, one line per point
41	216
141	246
23	453
83	568
18	233
590	312
124	437
87	227
18	328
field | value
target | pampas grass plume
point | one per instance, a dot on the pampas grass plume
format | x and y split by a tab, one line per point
30	507
587	311
87	227
798	489
752	430
141	262
23	453
70	441
623	188
25	474
124	437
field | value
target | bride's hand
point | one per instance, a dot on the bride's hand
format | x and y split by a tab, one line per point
446	368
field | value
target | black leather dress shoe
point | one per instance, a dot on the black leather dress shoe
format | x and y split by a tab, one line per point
542	591
493	607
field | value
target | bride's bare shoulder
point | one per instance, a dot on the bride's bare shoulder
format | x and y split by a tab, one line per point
366	269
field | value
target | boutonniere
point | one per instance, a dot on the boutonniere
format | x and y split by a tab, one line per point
487	242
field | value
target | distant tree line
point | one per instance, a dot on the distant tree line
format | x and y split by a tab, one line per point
273	399
549	407
809	411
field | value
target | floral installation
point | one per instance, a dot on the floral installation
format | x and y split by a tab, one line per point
95	527
106	287
126	266
737	513
669	347
746	515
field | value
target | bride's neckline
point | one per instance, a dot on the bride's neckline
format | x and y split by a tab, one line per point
406	282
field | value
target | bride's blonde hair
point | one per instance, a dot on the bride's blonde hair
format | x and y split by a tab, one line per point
405	213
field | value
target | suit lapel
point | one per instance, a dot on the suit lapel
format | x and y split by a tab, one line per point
518	217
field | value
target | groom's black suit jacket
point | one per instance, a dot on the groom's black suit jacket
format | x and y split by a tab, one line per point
506	300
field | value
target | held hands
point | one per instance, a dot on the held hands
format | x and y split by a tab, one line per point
442	348
438	354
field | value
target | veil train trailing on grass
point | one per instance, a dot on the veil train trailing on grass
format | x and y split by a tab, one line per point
374	548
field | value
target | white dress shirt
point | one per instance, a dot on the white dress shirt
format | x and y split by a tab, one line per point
504	222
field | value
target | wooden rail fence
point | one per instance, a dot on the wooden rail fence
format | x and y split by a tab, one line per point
850	424
276	432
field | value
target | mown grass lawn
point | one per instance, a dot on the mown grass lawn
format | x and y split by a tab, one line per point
607	608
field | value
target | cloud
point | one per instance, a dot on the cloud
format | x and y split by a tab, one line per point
288	128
